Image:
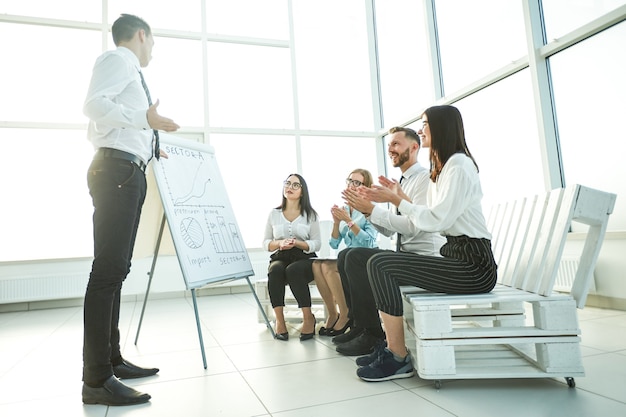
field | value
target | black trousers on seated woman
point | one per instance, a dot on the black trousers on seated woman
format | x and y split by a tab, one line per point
296	274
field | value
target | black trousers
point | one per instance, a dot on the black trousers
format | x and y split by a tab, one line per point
467	267
352	266
296	274
118	191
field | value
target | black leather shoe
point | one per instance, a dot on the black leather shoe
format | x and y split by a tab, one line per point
346	337
113	392
127	370
359	346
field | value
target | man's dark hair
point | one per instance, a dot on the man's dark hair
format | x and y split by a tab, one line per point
126	26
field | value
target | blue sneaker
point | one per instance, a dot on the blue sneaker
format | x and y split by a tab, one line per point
386	368
368	359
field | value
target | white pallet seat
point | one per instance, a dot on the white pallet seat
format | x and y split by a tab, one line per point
291	310
490	335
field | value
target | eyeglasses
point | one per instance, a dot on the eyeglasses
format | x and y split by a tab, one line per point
292	185
356	183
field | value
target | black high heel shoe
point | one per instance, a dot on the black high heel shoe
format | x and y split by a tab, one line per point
282	336
326	332
337	332
307	336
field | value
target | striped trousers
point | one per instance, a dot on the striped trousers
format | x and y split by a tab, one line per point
467	267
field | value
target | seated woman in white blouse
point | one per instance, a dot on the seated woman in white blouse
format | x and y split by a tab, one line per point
292	232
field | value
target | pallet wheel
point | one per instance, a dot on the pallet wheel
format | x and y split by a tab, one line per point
437	384
570	382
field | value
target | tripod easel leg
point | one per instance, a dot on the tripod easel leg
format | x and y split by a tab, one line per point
195	309
151	274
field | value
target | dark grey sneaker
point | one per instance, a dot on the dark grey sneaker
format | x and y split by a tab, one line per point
348	336
368	359
386	368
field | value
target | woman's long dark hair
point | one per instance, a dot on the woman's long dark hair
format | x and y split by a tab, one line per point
447	137
305	201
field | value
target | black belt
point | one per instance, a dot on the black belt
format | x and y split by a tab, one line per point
104	153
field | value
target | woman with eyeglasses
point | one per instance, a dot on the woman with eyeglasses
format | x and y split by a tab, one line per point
292	233
349	226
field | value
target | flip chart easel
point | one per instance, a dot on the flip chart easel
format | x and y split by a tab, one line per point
201	221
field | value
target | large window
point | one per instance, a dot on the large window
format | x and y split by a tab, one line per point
405	69
252	18
79	10
225	71
563	16
589	91
334	88
182	15
249	86
42	79
282	86
477	37
175	79
501	133
46	209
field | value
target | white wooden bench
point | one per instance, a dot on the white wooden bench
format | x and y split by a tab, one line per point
490	335
292	313
291	310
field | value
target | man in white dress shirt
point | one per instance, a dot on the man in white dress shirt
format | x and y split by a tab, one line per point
366	332
123	127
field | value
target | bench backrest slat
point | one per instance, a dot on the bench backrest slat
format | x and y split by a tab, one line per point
497	223
593	208
555	243
515	238
528	246
544	242
530	235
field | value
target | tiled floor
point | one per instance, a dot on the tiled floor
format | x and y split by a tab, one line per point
250	374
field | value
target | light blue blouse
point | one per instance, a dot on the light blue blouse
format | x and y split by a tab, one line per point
366	237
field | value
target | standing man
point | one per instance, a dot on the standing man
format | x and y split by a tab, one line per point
367	332
123	128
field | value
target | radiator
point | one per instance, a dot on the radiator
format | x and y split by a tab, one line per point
43	287
566	274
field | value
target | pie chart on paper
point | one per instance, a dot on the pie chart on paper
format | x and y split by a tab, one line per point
191	232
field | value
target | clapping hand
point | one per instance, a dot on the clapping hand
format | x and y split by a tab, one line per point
339	214
354	199
389	191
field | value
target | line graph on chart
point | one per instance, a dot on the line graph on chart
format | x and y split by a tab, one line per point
199	186
197	194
